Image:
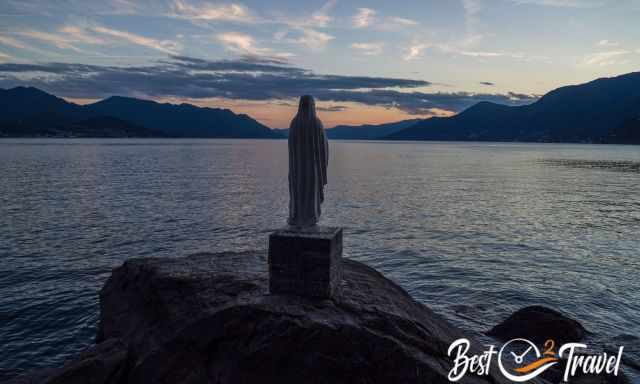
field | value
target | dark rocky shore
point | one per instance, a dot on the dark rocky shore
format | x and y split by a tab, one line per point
208	318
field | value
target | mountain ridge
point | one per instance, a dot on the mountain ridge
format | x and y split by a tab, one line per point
604	110
368	131
21	107
583	113
362	132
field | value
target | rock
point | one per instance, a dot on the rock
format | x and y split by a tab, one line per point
208	318
538	324
104	363
101	364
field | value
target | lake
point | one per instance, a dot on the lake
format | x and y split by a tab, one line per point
474	230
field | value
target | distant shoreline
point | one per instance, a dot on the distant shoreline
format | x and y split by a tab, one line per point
380	140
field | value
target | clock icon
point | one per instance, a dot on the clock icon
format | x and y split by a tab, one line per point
520	360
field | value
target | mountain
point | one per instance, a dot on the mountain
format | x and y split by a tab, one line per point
53	125
368	131
363	132
595	112
27	102
627	133
28	111
183	120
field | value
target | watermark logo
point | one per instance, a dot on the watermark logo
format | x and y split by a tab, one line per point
520	360
522	371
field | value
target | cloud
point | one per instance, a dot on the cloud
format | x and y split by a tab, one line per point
414	51
394	23
14	43
240	43
604	58
565	3
402	21
364	17
333	108
367	17
306	31
471	7
261	64
471	10
487	83
607	43
247	78
321	18
81	35
462	48
54	39
246	45
124	7
76	7
308	37
311	38
72	37
318	19
422	103
11	42
5	56
486	54
370	49
480	53
210	12
165	46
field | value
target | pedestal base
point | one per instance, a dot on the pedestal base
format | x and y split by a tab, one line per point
306	262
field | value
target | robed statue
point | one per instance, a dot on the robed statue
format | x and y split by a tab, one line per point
308	160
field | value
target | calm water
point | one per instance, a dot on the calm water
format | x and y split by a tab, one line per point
475	230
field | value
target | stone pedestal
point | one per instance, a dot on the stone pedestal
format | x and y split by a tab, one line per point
306	262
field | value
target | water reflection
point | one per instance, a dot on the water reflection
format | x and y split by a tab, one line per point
475	230
612	165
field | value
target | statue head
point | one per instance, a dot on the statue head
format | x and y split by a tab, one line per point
307	105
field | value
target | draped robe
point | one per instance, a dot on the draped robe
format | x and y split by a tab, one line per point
308	160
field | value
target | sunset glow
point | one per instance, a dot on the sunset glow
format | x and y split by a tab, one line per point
370	63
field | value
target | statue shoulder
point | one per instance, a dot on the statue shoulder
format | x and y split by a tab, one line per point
293	122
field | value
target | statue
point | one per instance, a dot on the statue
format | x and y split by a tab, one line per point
305	259
308	160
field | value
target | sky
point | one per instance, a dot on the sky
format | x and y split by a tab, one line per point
366	62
